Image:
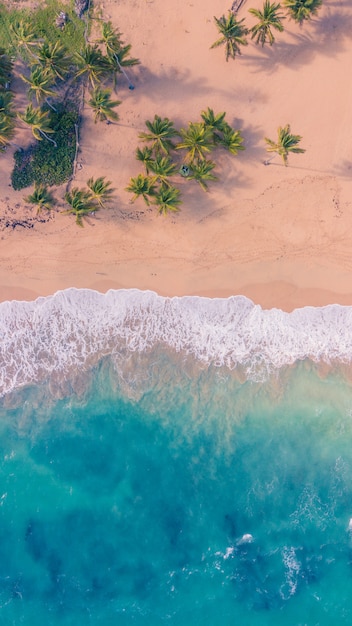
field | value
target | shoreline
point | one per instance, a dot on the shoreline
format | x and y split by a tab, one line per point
281	236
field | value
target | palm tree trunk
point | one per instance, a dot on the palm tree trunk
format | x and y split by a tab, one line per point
50	105
130	86
47	137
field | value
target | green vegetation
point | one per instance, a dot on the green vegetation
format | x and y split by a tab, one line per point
286	143
268	19
102	105
20	28
233	34
81	204
44	163
161	157
41	197
302	10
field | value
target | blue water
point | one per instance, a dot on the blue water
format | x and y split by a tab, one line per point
148	486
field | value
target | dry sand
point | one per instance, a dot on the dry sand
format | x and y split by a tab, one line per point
279	235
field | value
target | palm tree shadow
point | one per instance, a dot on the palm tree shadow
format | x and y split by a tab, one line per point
296	53
344	169
334	26
253	136
168	83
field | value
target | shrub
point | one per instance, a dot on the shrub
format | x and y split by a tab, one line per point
42	162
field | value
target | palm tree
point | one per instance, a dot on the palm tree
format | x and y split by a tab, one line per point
233	34
268	18
212	121
301	10
167	199
25	36
53	59
142	186
111	38
7	130
39	84
231	139
162	167
286	143
92	64
117	53
6	66
100	190
6	108
38	121
120	59
197	139
103	106
81	203
144	155
201	171
41	197
161	131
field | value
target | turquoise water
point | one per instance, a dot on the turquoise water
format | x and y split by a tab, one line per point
148	486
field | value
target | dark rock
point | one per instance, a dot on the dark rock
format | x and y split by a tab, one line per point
80	7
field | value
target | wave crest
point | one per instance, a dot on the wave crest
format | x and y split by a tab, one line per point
75	328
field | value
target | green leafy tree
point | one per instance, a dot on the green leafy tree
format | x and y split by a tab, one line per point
197	139
167	199
231	139
100	190
302	10
161	133
6	106
268	19
118	54
162	167
41	197
202	171
7	130
53	59
102	105
25	37
38	121
6	66
212	121
286	143
81	203
92	64
40	84
144	155
143	186
233	34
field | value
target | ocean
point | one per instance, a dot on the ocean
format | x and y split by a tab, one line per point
180	461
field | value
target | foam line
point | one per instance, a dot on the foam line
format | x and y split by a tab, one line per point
77	327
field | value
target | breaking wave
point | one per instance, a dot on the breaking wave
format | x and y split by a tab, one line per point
75	328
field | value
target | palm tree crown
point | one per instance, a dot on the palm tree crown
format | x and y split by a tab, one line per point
285	144
197	139
301	10
212	121
103	106
162	167
268	18
53	58
81	203
38	121
5	67
7	130
41	197
167	199
201	171
39	84
143	186
161	132
92	64
100	189
231	139
233	34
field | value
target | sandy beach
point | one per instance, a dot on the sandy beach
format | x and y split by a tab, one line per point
279	235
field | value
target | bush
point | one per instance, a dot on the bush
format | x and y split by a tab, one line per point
42	162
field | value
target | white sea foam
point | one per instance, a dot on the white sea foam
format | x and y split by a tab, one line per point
75	328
